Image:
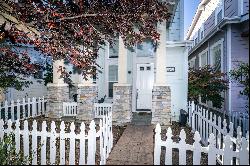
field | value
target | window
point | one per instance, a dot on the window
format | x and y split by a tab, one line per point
146	49
113	78
204	59
114	49
216	57
192	63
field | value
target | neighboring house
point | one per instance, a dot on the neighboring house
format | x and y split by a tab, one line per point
145	79
37	88
220	37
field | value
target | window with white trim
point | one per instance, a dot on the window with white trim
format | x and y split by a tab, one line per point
113	78
114	49
203	59
216	56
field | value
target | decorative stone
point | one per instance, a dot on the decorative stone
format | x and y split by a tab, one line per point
161	105
87	96
56	95
122	104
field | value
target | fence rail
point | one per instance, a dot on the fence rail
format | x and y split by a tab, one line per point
70	108
230	155
22	109
102	109
27	141
206	123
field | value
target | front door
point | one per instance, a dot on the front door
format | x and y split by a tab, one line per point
144	84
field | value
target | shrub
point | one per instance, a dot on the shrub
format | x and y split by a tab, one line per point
8	155
207	83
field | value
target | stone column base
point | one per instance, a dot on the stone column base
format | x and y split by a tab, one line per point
56	95
122	104
161	105
87	96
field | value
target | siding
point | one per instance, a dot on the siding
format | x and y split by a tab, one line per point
245	7
209	24
240	53
231	8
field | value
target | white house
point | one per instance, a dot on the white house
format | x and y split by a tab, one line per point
146	79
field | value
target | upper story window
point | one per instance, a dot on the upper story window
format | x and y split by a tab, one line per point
216	56
192	63
114	49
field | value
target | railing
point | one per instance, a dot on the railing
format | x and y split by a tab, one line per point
230	155
102	109
22	109
69	108
63	147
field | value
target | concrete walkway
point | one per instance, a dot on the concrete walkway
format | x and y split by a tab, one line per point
135	147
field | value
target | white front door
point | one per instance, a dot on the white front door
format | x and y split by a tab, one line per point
144	84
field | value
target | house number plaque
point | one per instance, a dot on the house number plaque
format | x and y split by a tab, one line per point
170	69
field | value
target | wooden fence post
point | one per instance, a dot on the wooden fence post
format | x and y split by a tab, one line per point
182	148
82	145
91	144
72	144
169	143
17	136
212	150
62	144
53	143
227	157
197	149
34	143
26	139
44	143
157	149
244	152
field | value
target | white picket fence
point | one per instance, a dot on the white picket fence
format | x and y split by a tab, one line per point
240	119
229	154
205	122
69	108
22	109
102	109
22	141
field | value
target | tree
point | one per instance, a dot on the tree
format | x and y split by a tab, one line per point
66	25
241	76
208	84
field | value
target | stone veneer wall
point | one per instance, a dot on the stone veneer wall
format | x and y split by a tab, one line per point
161	105
56	95
122	104
2	95
87	96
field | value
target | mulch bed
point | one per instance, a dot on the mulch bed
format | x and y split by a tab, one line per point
176	129
117	132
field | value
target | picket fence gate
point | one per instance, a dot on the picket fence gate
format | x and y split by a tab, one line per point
40	137
228	152
22	109
70	109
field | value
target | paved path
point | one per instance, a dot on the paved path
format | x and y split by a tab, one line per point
135	147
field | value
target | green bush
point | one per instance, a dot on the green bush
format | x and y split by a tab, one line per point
207	83
8	155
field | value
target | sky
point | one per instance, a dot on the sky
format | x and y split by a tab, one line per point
190	7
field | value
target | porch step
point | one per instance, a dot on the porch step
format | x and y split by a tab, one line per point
141	118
